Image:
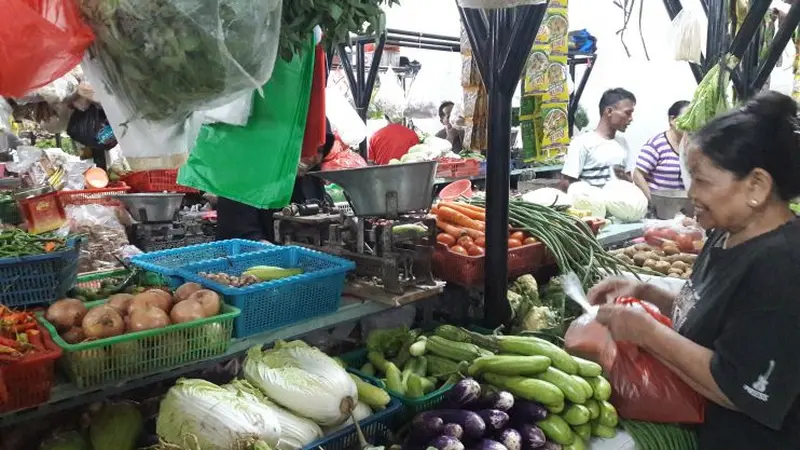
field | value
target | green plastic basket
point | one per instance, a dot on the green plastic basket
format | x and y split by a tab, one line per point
411	406
111	359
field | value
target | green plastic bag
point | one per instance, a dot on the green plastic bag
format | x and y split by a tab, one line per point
257	164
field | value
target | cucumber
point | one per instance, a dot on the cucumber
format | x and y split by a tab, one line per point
414	387
394	379
421	366
576	415
367	369
556	409
373	396
603	431
530	346
578	443
378	360
457	351
428	385
587	388
601	388
509	365
608	415
583	431
571	389
418	348
594	408
441	367
528	388
588	368
556	430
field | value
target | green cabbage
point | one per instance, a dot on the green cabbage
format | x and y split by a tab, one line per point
303	380
117	426
625	201
198	415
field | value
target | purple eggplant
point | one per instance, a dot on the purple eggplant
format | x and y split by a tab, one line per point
489	444
446	443
494	418
424	431
550	445
510	438
525	411
464	393
494	399
453	430
473	425
532	437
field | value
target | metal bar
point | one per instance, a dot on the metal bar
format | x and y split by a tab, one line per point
455	39
437	48
501	40
409	42
576	96
348	68
779	42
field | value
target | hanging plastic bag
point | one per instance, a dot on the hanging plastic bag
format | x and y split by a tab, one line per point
234	113
643	387
257	164
344	119
40	41
390	98
424	96
5	115
91	128
170	58
341	157
688	35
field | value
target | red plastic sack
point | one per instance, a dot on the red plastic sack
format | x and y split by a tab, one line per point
341	157
40	41
643	387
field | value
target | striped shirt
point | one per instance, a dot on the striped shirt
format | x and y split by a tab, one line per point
660	164
592	158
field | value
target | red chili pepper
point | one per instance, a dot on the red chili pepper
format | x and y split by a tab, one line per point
21	328
7	349
6	342
35	339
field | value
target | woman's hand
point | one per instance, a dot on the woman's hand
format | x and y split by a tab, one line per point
626	323
609	289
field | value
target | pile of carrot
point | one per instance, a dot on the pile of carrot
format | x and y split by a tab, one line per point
20	335
462	229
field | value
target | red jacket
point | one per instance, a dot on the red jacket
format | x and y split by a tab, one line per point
391	142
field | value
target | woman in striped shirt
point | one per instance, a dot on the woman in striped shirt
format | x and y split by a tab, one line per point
658	165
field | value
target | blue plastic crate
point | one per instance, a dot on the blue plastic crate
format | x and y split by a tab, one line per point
377	429
38	279
273	304
168	262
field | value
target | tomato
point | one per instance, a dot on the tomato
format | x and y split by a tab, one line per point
668	234
530	240
446	239
518	235
481	242
514	243
653	237
465	241
685	243
458	249
474	250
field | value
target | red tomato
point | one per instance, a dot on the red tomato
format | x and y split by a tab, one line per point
653	237
514	243
474	250
685	243
458	249
518	235
530	240
480	242
446	239
465	241
668	234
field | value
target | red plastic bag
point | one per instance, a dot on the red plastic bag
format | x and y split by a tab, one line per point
341	157
643	387
45	40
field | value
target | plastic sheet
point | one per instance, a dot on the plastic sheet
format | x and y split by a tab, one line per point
105	235
390	98
40	41
166	59
343	117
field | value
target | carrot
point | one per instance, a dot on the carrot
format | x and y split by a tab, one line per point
35	339
472	207
456	231
471	213
49	246
6	342
457	218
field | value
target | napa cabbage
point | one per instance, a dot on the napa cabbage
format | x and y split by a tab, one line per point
196	414
548	197
625	201
588	198
303	380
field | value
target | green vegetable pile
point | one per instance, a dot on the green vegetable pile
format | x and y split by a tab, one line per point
336	18
710	98
15	243
169	58
660	436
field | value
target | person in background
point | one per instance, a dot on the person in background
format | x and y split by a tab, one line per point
239	221
391	142
449	132
658	164
603	154
736	320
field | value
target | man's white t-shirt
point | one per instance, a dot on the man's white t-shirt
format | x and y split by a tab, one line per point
591	158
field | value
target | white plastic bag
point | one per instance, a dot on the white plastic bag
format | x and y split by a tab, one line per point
105	234
390	98
424	96
234	113
343	118
687	36
5	115
494	4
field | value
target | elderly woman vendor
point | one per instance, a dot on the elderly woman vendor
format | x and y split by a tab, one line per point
736	339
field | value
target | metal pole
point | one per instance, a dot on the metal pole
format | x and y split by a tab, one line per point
779	42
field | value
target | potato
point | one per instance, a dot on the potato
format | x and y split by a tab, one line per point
642	247
650	263
670	250
640	258
662	266
688	258
659	252
630	251
625	259
674	275
616	252
680	265
686	275
675	271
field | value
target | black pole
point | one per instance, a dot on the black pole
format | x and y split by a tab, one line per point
575	99
779	42
501	40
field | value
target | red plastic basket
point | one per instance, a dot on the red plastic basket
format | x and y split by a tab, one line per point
28	381
468	270
458	169
156	181
93	196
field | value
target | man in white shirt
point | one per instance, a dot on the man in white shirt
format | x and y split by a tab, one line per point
597	157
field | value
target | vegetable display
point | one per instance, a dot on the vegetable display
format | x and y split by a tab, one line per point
253	275
15	243
20	336
664	260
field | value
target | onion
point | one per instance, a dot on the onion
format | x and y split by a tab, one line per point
120	302
153	297
66	313
187	311
186	290
102	322
209	300
73	336
147	318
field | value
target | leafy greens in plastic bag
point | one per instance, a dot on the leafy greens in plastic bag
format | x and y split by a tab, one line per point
169	58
